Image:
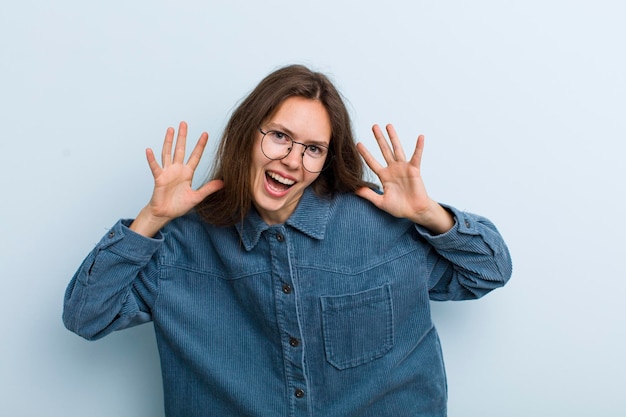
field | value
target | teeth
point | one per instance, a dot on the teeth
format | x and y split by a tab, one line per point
280	179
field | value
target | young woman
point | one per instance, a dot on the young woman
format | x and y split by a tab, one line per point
287	285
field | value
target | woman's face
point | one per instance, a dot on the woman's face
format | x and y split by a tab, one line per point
278	185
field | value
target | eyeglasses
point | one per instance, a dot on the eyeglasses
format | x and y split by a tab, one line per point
277	145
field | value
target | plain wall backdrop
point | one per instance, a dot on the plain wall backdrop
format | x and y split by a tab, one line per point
523	105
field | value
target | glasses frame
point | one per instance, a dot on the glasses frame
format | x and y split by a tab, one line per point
327	162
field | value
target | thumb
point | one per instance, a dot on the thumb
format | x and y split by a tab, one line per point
370	195
209	188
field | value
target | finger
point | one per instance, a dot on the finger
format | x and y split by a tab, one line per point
181	140
382	144
370	195
152	163
166	152
368	158
398	152
198	150
416	159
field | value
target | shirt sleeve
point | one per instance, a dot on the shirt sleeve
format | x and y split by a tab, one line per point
468	261
115	285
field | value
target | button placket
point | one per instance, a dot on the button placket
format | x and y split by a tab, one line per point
287	316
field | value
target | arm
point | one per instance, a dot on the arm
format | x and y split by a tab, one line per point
468	261
115	285
469	257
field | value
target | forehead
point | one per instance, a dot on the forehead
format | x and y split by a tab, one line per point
302	118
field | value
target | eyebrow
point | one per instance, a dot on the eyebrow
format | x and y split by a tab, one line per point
282	128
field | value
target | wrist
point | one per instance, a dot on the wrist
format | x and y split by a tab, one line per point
435	218
147	224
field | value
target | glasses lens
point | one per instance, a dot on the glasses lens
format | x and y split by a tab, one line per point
276	145
314	158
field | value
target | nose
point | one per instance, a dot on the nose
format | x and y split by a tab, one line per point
294	159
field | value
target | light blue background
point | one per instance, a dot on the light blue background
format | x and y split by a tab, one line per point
523	107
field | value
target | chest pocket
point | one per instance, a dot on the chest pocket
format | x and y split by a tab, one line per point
357	328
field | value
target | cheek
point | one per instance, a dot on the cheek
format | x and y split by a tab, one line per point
256	175
310	178
257	164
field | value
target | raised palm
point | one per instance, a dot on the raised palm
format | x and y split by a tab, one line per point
404	194
173	194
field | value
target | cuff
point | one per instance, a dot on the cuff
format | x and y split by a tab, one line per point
465	226
128	244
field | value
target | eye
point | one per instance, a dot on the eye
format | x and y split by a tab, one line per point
278	136
315	151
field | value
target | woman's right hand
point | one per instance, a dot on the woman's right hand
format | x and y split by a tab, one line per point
173	195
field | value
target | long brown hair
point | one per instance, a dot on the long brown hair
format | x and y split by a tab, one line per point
234	154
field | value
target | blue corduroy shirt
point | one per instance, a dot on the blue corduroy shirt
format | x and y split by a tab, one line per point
326	315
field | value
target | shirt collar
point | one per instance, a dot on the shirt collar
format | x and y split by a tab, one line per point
310	217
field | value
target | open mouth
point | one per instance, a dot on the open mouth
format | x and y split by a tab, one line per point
277	182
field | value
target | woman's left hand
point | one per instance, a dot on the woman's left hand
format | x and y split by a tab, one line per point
404	194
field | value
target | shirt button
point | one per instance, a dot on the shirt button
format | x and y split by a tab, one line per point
111	234
299	393
294	342
287	289
280	237
467	224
